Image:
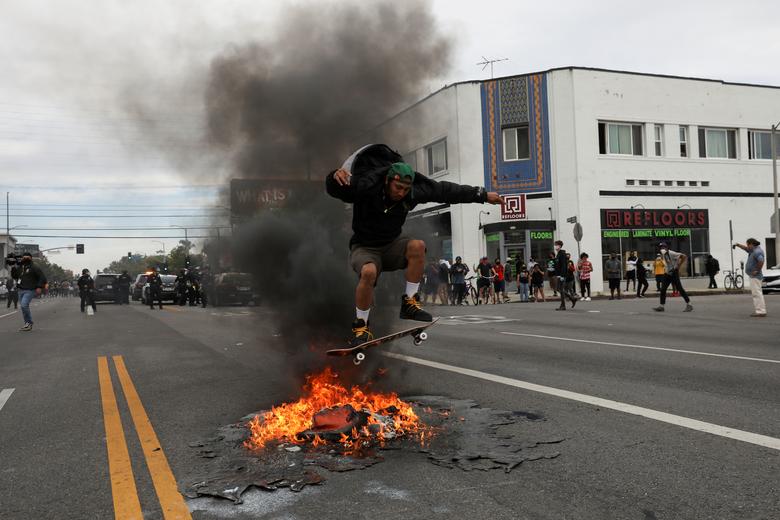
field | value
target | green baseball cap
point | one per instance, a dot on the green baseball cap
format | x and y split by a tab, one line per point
402	170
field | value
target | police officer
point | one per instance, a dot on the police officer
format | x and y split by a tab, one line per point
86	290
155	288
181	287
123	282
205	285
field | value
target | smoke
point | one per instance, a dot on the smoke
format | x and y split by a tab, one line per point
293	107
298	103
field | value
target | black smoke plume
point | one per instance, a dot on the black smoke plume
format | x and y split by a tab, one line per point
293	107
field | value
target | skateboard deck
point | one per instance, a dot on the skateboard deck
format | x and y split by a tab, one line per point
418	332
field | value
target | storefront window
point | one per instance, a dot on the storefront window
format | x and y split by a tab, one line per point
541	244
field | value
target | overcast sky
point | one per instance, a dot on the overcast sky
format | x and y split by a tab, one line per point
70	69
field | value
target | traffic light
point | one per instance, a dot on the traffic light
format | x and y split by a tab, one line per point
129	255
79	249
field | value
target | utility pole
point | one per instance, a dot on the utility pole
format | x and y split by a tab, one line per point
7	215
776	215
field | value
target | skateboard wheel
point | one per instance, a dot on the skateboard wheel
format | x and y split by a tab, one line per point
423	336
360	356
417	342
356	361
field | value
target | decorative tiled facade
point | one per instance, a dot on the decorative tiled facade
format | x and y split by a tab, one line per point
511	102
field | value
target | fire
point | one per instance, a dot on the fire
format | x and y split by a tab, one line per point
285	423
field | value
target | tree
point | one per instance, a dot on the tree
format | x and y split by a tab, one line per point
53	272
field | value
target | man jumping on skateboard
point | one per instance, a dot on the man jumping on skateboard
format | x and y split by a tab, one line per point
382	196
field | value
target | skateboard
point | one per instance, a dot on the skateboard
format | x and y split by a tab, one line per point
418	336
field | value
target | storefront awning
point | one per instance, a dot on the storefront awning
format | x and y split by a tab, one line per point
514	225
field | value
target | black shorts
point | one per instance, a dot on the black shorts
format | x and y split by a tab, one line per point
499	286
482	282
614	283
630	275
390	257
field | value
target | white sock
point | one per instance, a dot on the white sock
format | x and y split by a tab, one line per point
412	288
362	315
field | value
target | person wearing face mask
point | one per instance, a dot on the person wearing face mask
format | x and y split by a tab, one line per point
613	268
672	262
562	273
753	267
31	284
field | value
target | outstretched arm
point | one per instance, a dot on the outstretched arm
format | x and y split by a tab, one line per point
338	184
428	190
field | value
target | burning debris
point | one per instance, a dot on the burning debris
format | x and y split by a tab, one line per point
330	412
343	429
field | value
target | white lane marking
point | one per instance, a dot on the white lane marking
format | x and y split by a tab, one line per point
677	420
4	395
667	349
9	314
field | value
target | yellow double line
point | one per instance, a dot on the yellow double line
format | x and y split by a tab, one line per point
123	490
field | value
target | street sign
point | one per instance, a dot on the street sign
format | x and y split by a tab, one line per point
578	232
572	220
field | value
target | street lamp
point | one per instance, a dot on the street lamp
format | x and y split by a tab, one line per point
681	206
163	247
479	237
638	206
776	216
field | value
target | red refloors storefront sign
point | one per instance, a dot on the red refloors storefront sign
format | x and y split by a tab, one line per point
654	218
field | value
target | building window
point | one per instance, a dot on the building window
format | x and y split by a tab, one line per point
683	141
656	183
705	184
620	139
436	155
693	183
411	159
658	134
718	143
643	182
668	183
516	146
681	183
760	144
630	182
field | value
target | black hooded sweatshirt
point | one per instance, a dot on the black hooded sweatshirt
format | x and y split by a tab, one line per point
376	219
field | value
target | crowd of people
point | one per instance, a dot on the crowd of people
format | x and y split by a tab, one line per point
557	276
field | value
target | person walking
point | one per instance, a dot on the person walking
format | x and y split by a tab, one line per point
523	279
13	293
564	275
631	269
673	261
613	267
431	282
712	267
584	267
537	281
31	284
658	271
641	278
86	290
123	282
155	288
753	267
444	281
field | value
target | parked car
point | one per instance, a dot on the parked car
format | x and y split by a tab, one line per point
104	287
231	289
771	281
137	287
168	289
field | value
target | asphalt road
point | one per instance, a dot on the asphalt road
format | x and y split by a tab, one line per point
655	425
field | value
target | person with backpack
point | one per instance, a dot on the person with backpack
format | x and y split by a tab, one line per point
86	286
712	267
383	190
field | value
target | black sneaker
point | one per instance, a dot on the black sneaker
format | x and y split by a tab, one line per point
360	333
411	309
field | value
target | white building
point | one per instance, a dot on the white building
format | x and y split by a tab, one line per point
636	158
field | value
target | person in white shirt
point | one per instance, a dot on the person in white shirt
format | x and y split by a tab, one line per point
631	269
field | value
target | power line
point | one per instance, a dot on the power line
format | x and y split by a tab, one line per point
112	216
119	228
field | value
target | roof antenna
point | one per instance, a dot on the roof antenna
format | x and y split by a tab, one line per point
487	62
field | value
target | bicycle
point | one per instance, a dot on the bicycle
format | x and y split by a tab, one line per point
734	279
471	292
